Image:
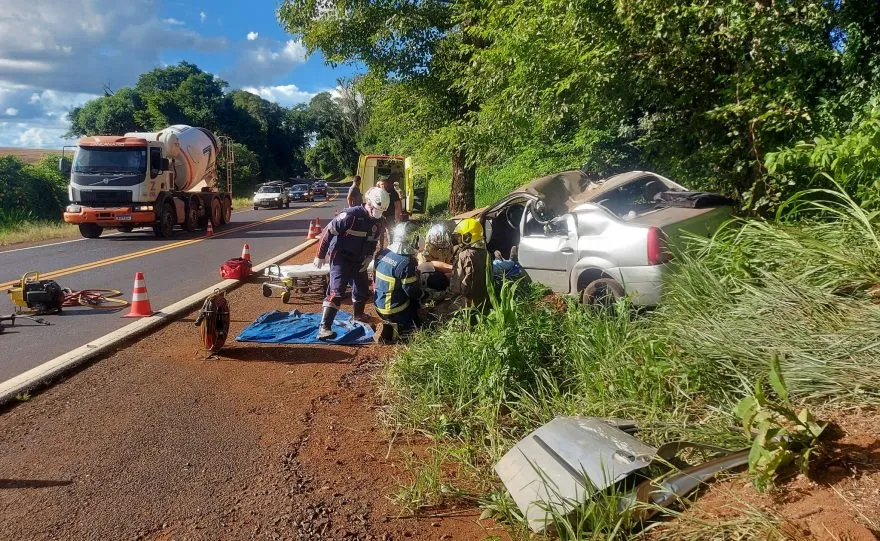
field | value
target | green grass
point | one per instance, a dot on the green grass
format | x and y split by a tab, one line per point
35	231
800	287
242	202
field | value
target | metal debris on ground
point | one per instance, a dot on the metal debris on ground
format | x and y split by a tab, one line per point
12	317
567	461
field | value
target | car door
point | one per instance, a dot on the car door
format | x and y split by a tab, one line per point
548	253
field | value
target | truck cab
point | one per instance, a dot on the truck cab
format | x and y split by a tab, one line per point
114	182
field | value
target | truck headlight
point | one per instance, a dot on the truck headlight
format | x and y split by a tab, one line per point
143	208
76	209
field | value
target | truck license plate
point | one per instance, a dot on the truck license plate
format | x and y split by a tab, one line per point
124	218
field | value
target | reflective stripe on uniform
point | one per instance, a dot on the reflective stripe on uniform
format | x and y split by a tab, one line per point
410	280
392	311
354	233
385	278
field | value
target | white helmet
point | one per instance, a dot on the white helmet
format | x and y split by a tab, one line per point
376	200
404	239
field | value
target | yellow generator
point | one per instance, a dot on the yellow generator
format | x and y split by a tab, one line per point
38	296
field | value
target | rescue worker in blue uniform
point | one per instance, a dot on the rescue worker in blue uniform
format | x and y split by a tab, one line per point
350	241
397	288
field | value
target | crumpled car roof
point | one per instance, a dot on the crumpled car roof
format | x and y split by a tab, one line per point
562	192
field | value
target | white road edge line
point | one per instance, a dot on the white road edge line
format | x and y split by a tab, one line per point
52	244
26	381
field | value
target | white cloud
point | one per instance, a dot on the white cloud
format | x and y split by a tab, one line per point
263	61
285	95
174	22
113	42
202	16
35	137
41	116
251	36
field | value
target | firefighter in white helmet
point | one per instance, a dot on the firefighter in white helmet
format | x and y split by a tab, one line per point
350	241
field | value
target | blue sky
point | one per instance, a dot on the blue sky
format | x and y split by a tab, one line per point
57	54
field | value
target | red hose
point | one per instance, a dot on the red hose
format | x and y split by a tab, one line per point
102	299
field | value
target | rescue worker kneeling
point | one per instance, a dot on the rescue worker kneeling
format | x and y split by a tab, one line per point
435	262
397	289
350	239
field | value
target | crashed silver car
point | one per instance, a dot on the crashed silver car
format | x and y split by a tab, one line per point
599	239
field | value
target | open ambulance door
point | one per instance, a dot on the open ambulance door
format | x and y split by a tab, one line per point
416	190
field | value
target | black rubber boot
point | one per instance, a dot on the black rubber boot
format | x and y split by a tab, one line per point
325	331
358	312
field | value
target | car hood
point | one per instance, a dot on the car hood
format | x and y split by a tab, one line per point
267	195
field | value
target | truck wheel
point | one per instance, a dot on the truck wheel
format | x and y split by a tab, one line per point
226	215
604	292
256	208
216	211
191	220
165	226
90	231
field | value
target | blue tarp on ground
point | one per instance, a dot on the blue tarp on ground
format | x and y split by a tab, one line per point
297	328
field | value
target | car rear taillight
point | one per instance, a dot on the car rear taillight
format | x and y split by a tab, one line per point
657	252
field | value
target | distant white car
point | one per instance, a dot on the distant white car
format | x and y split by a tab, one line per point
271	196
599	239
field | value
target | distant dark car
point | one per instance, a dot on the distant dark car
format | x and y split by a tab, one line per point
320	188
301	192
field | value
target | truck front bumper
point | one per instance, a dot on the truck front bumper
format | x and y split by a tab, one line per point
111	217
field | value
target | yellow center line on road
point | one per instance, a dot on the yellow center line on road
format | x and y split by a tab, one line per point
134	255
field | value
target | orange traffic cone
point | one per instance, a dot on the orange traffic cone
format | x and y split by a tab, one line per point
140	304
210	230
246	252
312	234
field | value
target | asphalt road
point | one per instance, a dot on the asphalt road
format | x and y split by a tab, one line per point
173	268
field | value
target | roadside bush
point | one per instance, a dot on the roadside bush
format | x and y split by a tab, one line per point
31	192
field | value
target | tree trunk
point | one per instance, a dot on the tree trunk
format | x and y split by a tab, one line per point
461	196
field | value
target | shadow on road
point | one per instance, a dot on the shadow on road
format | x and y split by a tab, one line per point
32	483
286	354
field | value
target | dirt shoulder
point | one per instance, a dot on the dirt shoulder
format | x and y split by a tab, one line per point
265	442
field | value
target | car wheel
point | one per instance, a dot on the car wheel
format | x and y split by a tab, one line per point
604	292
256	208
90	231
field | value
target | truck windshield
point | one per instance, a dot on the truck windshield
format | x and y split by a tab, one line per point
110	160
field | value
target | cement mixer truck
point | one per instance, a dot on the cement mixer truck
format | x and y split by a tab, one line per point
161	180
